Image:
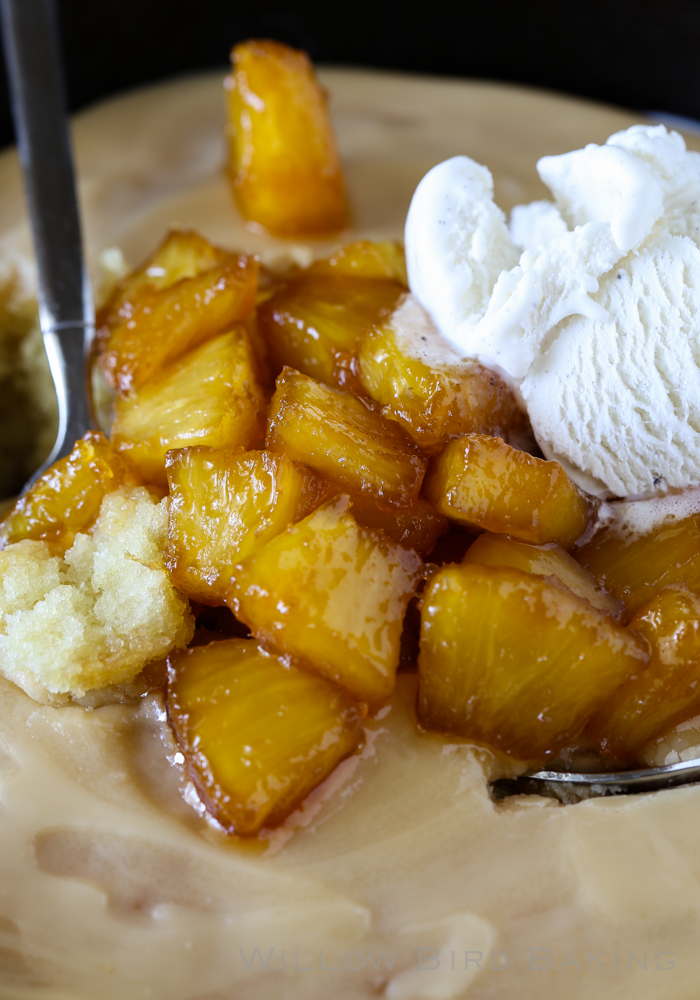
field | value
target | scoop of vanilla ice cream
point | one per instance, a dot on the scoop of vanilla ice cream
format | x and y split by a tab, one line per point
457	242
535	225
597	328
605	184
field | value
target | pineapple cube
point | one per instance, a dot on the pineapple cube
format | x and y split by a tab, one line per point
668	691
66	499
211	396
284	162
315	323
366	259
224	506
333	595
257	734
516	661
182	254
433	394
484	483
157	325
343	439
549	559
417	526
644	545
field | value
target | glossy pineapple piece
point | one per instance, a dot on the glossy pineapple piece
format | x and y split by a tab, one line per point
211	396
405	366
484	483
343	439
365	259
668	691
644	545
66	498
182	254
284	162
257	734
333	595
315	323
156	326
224	505
516	661
417	526
549	559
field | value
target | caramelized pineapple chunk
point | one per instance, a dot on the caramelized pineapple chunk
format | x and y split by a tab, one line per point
668	691
366	259
333	595
182	254
66	499
344	440
484	483
156	326
406	368
644	545
223	506
211	396
415	527
516	661
549	559
284	162
315	323
257	735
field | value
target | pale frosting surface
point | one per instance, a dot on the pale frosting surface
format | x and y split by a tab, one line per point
111	886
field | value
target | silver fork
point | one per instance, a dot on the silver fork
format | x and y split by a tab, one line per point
66	313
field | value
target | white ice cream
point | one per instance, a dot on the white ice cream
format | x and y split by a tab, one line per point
598	325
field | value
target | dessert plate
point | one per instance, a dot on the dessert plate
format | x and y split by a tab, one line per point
401	876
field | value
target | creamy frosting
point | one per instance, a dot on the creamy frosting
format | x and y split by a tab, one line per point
111	885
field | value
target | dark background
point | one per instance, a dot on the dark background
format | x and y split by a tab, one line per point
644	55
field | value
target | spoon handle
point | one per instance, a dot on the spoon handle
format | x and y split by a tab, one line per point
66	314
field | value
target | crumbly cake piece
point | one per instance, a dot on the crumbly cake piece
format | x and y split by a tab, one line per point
98	615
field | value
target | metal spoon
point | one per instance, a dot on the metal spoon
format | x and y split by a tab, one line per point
66	313
571	787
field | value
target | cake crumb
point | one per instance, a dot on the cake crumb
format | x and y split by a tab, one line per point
97	615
